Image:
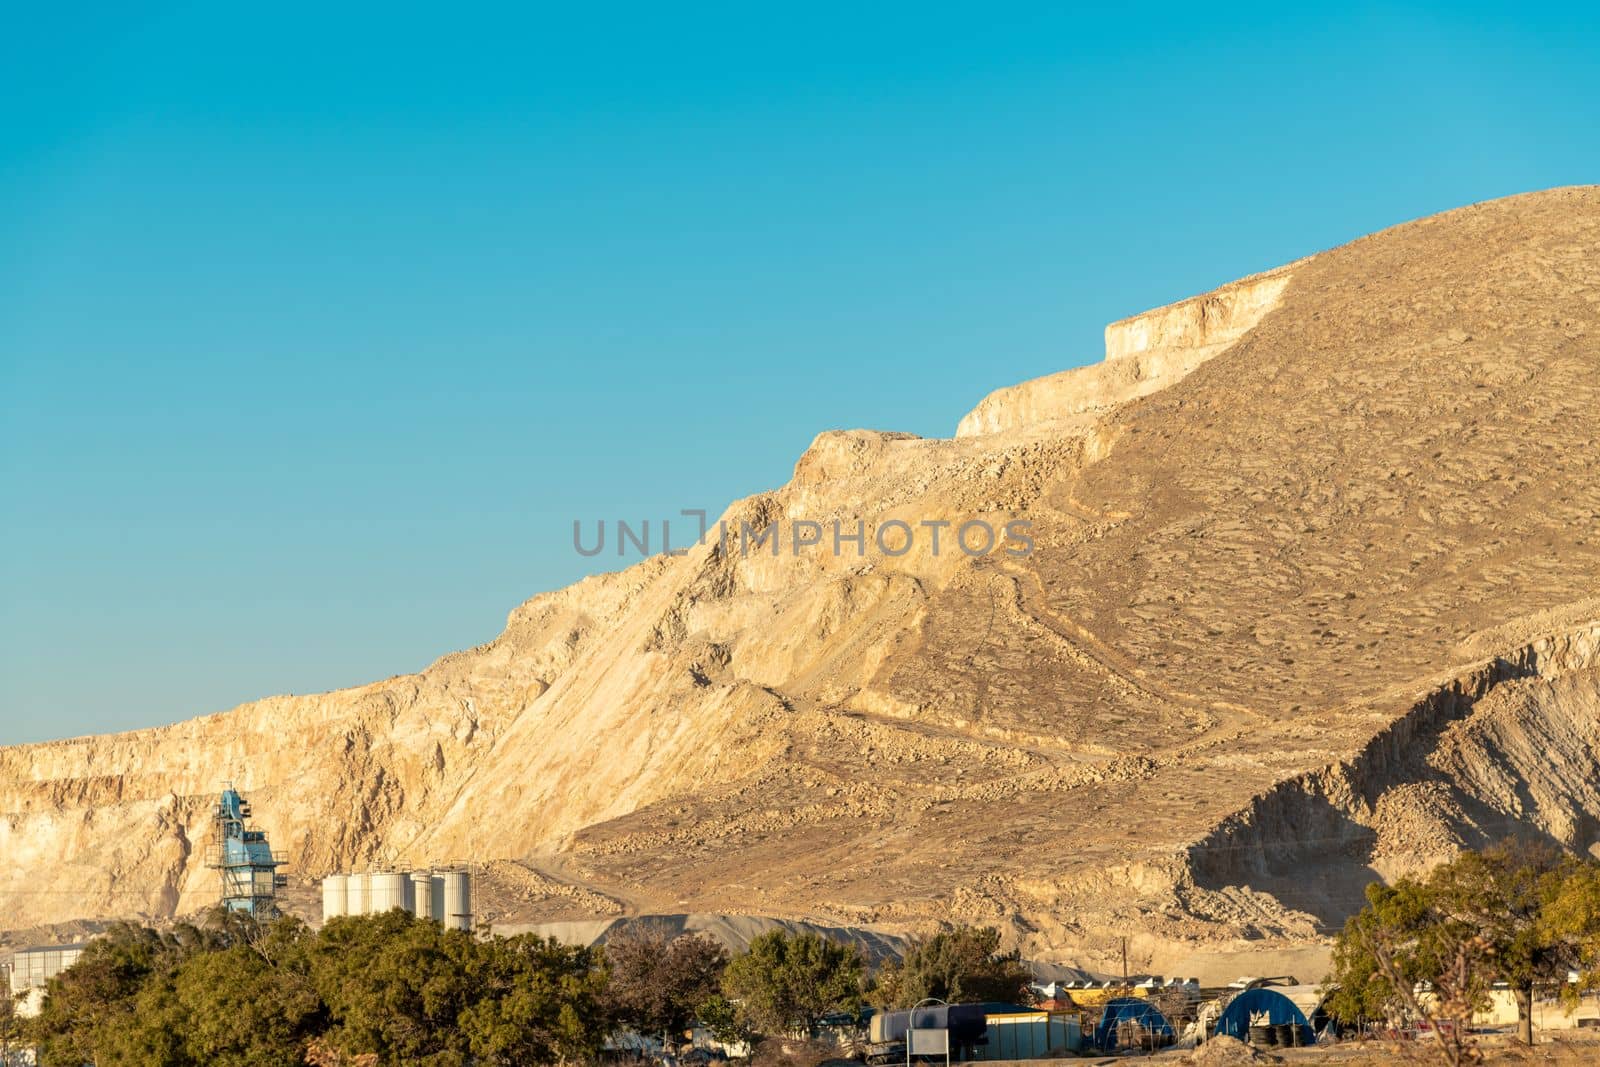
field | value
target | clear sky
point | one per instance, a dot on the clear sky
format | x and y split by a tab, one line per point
319	327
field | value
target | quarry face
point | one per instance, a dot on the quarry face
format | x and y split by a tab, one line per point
1313	598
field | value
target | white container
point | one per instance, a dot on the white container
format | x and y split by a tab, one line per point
335	896
386	891
356	895
422	895
457	901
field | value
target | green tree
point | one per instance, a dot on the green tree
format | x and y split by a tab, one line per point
1385	949
238	1009
1572	915
91	1010
1510	913
720	1016
1396	943
394	986
964	964
659	982
535	1001
785	983
1499	895
10	1024
413	992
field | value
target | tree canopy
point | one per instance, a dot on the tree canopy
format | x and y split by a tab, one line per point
962	964
376	990
382	989
786	983
658	983
1513	913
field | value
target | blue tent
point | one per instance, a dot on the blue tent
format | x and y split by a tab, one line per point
1121	1010
1262	1005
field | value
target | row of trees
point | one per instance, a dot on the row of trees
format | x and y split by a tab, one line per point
380	989
388	989
1432	948
788	984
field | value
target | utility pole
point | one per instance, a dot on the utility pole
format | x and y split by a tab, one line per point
1124	962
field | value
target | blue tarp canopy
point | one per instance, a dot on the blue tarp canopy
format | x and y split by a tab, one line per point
1121	1010
1262	1006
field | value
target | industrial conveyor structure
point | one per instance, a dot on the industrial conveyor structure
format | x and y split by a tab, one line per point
250	878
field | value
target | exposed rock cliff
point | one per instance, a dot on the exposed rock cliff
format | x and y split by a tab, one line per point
1143	354
1310	591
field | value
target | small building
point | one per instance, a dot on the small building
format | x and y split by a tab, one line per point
32	969
1022	1034
1549	1011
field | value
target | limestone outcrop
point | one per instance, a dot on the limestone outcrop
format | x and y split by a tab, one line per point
1310	594
1143	353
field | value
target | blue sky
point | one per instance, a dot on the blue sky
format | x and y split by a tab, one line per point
318	329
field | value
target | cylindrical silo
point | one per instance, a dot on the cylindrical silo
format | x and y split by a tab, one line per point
356	895
422	895
411	895
334	890
386	891
436	894
457	901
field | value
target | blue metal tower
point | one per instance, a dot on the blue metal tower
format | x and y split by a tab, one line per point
250	878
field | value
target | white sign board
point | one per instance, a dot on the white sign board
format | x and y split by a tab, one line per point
927	1042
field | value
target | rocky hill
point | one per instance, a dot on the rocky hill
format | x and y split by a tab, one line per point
1313	594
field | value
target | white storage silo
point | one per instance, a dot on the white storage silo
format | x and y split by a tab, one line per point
335	888
386	891
436	895
422	895
457	901
356	895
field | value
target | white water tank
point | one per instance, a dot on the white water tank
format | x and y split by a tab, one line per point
386	891
356	895
422	895
335	888
457	901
